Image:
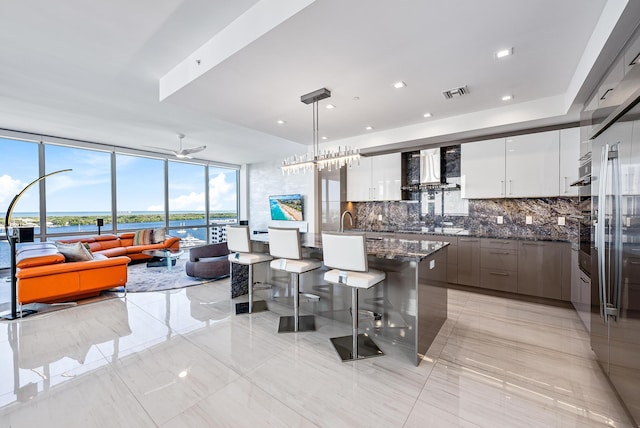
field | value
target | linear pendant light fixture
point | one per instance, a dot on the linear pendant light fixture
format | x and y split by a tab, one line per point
320	160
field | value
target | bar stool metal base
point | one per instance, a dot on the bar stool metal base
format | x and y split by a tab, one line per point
305	323
366	347
258	306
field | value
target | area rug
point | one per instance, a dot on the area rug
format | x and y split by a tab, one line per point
143	278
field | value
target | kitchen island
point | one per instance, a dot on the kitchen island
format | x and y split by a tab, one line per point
406	310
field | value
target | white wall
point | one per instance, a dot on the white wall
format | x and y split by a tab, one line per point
266	179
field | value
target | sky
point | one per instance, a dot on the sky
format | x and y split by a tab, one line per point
87	187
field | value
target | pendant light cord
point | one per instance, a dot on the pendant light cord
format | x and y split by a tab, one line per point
315	129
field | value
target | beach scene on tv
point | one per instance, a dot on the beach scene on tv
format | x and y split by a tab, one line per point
286	207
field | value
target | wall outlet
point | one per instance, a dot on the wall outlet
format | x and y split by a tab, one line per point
560	221
379	217
432	264
500	219
528	220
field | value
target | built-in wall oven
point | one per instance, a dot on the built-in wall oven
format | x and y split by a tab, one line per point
585	223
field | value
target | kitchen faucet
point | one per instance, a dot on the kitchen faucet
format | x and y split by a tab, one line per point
342	220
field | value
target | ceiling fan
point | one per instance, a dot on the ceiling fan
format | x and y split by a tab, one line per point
181	153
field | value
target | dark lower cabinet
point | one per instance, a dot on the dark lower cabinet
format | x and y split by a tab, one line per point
540	269
469	261
499	264
534	268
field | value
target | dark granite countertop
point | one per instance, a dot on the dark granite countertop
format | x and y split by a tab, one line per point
383	248
452	231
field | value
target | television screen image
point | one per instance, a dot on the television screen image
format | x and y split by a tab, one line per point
286	207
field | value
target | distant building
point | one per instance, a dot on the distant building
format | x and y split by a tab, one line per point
218	234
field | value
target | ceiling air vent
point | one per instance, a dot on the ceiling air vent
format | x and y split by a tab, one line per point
456	92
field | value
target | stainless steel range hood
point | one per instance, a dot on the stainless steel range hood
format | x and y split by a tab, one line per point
430	167
437	170
432	171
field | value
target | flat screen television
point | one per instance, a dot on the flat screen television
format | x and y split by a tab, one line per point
286	207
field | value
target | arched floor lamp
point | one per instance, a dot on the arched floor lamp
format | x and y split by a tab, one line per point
13	240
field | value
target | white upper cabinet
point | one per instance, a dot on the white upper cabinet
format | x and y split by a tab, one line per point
386	177
514	167
482	169
359	180
569	155
377	178
607	94
532	165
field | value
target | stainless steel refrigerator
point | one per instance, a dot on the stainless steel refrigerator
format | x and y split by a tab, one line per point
615	268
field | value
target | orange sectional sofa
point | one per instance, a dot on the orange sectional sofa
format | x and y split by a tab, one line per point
44	276
122	245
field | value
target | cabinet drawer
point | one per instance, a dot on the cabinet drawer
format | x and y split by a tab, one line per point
492	258
504	244
452	273
499	279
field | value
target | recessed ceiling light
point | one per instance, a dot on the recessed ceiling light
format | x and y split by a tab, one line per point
503	53
399	85
427	115
368	128
330	106
281	122
324	138
507	98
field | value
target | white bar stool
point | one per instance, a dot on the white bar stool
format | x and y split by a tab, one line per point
346	255
239	244
285	244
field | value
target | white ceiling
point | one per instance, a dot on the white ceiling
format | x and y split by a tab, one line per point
92	70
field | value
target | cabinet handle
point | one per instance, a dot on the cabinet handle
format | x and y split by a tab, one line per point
511	187
566	189
506	253
468	240
499	273
584	280
502	189
634	263
532	244
605	94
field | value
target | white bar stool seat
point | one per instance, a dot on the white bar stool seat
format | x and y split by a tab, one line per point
239	244
285	243
346	256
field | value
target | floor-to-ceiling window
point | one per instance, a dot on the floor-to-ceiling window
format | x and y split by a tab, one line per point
223	195
187	198
75	199
126	189
18	167
223	201
140	187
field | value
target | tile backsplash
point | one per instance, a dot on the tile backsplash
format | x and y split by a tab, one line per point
481	218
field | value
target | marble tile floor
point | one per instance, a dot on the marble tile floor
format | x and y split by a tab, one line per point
182	358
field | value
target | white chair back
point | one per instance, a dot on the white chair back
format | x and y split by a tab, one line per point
285	243
345	251
238	239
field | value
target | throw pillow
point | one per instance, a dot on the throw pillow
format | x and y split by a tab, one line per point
75	252
143	237
100	257
159	235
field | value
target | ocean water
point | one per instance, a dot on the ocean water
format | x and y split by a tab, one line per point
186	229
276	212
